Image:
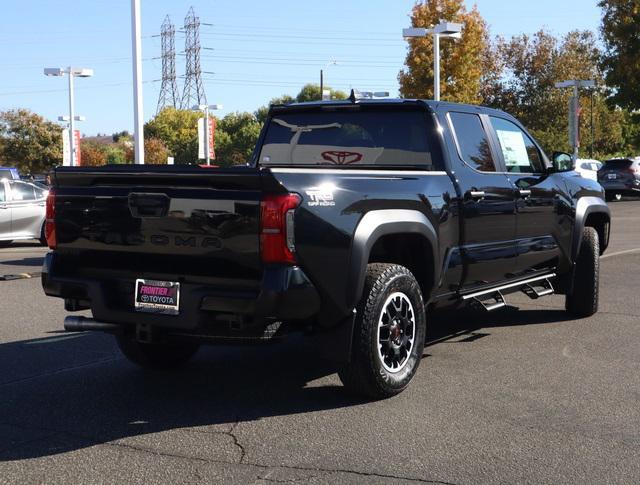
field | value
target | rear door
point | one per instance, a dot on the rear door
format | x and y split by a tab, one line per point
488	251
27	209
538	230
5	213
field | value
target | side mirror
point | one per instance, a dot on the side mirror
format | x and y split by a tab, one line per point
562	162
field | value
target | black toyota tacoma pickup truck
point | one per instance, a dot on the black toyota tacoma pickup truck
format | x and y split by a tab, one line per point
353	221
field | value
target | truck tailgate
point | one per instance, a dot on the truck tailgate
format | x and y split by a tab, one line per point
184	222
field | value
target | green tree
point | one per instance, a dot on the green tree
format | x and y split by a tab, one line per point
621	60
236	137
29	142
121	135
311	92
178	129
526	89
116	154
464	63
262	111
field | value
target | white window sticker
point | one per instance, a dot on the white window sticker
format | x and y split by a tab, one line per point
514	148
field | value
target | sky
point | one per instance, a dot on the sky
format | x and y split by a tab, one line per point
253	50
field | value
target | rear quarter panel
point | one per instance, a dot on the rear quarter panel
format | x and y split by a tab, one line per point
333	204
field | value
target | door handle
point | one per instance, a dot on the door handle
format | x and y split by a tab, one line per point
524	193
3	207
476	194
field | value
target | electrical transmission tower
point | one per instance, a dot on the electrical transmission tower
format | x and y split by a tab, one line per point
169	95
193	92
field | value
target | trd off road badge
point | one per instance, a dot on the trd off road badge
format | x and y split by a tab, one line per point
321	196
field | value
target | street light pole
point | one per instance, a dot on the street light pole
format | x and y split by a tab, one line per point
448	30
72	126
436	67
71	72
574	118
206	136
138	113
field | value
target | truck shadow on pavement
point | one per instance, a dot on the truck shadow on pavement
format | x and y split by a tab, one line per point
73	391
24	262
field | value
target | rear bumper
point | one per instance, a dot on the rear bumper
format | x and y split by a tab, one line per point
286	294
621	186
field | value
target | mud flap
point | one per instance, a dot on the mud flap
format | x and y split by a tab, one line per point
335	343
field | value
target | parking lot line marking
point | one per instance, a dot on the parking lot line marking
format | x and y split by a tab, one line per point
619	253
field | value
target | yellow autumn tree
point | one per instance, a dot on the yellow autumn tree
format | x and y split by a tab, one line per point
464	63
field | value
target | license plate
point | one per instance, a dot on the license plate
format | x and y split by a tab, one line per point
612	176
154	296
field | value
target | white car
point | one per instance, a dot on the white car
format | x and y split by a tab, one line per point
22	211
588	168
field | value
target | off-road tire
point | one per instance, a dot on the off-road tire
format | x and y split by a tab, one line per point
366	375
160	356
583	299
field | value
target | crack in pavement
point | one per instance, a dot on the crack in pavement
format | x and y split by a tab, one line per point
267	478
231	434
95	440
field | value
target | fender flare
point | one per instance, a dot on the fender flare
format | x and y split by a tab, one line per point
585	207
373	226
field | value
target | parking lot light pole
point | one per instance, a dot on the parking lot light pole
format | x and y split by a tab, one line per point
205	108
138	111
71	72
574	109
447	30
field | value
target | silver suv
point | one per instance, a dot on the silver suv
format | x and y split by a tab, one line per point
22	211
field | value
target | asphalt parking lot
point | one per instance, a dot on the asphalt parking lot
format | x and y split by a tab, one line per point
521	395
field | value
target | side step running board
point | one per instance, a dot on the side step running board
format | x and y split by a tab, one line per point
492	299
538	289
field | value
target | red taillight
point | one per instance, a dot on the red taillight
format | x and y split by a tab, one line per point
50	220
276	228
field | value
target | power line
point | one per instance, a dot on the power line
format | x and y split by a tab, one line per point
362	43
266	83
311	37
77	88
322	57
294	63
297	29
295	60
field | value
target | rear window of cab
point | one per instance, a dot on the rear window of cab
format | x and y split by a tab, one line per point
343	138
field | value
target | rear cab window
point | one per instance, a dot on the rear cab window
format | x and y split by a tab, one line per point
363	136
472	141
